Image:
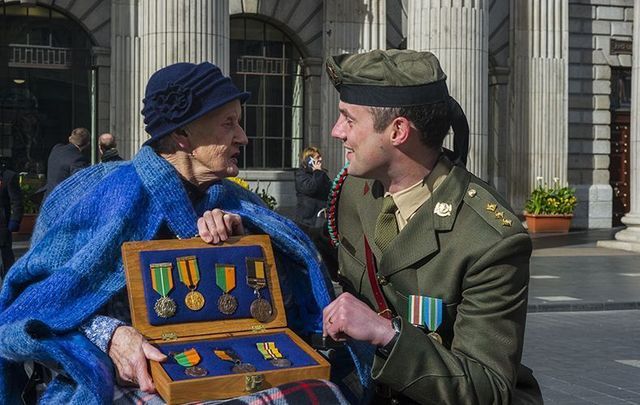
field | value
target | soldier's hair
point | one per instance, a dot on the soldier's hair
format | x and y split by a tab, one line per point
80	137
431	120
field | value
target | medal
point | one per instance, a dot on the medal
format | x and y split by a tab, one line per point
226	280
189	359
238	366
270	352
162	283
256	278
190	276
426	312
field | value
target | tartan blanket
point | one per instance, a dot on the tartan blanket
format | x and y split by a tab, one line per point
313	392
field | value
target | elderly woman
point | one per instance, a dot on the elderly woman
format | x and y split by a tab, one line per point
62	303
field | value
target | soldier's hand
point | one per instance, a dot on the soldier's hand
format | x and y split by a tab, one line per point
348	317
216	226
129	352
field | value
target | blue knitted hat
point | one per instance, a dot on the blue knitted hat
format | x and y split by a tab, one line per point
183	92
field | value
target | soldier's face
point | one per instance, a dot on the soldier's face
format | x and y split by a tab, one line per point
365	148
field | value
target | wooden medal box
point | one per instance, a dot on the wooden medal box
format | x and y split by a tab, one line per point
208	328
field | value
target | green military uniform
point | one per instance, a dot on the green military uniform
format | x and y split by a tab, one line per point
477	261
474	255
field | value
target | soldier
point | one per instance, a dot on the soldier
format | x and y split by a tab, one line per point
434	263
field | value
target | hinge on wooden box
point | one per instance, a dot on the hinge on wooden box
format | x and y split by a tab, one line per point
169	336
258	328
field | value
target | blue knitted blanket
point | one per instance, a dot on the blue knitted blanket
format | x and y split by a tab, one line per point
74	267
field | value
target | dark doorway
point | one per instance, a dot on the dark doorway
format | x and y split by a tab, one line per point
619	162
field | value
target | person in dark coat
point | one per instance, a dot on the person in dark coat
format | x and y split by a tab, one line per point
11	209
312	188
107	148
65	160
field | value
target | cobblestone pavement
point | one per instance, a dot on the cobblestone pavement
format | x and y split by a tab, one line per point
585	357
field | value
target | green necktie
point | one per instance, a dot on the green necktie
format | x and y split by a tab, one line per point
386	225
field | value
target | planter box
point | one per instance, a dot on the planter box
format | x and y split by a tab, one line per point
548	223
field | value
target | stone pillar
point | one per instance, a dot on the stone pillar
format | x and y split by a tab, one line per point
150	34
457	33
629	238
539	91
350	26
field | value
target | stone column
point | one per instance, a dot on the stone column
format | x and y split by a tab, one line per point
539	91
629	238
150	34
457	33
350	26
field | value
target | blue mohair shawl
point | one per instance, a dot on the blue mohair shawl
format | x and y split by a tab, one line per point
74	267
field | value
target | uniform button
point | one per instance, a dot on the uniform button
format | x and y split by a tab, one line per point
382	280
472	192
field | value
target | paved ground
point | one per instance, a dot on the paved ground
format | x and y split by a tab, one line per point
585	357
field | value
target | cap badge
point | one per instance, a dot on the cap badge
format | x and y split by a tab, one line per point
333	75
442	209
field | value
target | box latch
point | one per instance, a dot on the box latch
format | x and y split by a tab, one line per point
253	383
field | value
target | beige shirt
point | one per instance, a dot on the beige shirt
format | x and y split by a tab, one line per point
410	199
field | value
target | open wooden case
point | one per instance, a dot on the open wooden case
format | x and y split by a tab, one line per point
170	263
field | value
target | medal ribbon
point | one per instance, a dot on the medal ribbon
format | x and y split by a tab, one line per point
269	350
161	278
425	311
227	355
188	358
256	277
226	277
188	271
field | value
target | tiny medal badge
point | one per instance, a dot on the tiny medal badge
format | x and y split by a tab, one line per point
442	209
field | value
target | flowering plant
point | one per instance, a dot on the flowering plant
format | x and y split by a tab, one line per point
553	200
263	193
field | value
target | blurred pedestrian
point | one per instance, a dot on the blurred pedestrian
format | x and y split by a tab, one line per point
107	148
11	209
66	159
312	188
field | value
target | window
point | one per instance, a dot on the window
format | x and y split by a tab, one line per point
265	62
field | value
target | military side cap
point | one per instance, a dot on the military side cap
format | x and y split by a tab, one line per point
391	78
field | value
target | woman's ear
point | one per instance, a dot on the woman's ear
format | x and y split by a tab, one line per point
181	139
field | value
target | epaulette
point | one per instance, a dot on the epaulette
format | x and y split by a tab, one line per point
487	206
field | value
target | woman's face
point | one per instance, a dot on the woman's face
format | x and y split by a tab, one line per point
216	138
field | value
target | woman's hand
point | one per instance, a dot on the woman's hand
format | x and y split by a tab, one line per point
216	226
129	352
317	164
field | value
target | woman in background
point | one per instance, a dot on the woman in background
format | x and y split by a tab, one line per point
312	188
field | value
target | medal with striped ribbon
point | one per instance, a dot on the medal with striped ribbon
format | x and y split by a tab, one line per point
270	352
162	282
257	278
226	280
238	366
426	312
190	276
189	360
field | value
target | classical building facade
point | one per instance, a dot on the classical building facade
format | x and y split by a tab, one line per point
545	84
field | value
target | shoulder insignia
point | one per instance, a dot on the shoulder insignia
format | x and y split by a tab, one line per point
486	205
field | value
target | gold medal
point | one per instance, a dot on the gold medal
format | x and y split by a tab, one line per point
257	279
162	283
190	276
194	300
226	281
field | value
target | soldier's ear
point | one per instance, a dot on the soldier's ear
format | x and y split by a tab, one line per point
400	129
